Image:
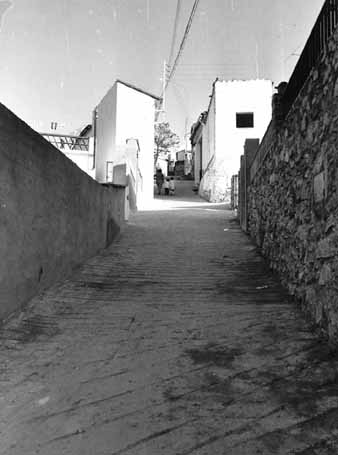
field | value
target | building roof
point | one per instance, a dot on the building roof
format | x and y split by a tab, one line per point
127	84
242	81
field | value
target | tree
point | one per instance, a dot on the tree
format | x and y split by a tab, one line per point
165	140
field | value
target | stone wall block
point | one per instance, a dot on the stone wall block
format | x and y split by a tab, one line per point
331	224
319	162
331	46
310	134
311	298
325	275
335	93
319	187
328	71
319	313
273	178
302	233
303	124
325	249
327	120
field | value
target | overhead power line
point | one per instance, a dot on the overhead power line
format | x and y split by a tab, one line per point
185	36
173	41
180	50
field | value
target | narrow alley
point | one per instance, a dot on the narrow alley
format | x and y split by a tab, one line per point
175	340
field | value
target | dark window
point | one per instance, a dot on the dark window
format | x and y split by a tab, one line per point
244	120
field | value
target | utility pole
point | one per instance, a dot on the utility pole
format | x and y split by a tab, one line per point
186	133
162	107
164	83
173	66
160	110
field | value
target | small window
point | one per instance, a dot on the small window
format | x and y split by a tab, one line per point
244	120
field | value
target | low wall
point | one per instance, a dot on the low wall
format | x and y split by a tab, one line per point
52	215
293	195
215	184
250	156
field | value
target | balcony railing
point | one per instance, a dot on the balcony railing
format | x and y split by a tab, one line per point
315	45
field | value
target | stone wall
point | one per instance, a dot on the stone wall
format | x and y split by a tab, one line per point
52	215
293	196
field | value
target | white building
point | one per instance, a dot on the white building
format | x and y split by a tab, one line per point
124	130
238	110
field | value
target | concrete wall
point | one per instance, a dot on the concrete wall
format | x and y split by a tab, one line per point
52	215
293	203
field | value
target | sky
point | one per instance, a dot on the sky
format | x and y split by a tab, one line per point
60	57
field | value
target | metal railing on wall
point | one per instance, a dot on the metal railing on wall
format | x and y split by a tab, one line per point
324	27
65	142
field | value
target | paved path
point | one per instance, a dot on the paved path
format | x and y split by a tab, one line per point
175	341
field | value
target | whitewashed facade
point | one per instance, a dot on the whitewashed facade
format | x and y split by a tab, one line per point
238	110
125	135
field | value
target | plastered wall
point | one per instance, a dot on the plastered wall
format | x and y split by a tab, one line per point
223	142
52	215
123	114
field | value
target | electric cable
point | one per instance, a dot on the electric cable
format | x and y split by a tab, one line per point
173	41
185	36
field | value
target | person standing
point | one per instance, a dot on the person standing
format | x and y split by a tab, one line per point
166	187
172	186
159	180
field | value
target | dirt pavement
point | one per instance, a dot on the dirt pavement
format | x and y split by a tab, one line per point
176	340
